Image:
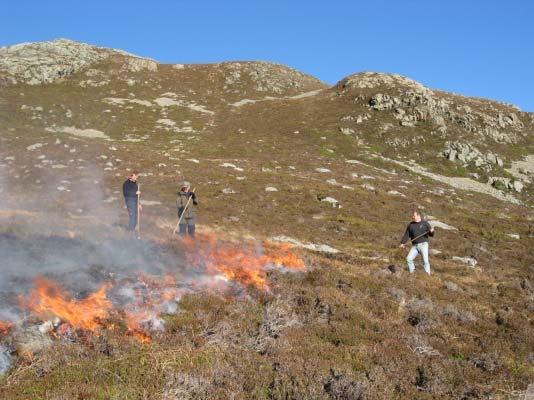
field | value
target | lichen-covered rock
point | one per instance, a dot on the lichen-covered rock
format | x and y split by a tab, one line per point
371	80
503	183
135	64
46	62
469	154
411	103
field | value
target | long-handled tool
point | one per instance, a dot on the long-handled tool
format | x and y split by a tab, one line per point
417	237
138	211
183	212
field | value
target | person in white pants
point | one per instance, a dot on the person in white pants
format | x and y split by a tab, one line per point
418	231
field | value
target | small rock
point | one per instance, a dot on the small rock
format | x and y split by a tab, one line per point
228	165
271	189
470	261
332	182
434	223
34	146
518	186
395	193
331	200
322	170
346	131
228	191
514	236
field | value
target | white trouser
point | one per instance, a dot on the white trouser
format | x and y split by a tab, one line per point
419	248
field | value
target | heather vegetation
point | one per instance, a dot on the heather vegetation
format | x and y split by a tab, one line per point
283	165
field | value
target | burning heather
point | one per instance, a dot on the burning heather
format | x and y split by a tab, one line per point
5	327
245	264
49	300
138	290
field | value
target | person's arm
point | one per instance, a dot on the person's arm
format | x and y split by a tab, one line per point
430	229
194	197
124	188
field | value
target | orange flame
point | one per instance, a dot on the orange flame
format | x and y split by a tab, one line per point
246	263
151	296
5	327
49	299
135	326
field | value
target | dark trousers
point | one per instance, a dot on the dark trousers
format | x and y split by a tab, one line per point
131	205
187	228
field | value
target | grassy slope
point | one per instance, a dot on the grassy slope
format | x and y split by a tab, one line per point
348	323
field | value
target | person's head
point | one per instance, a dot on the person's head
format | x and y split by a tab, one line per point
134	175
416	216
185	186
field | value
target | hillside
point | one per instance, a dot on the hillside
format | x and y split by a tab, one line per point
276	156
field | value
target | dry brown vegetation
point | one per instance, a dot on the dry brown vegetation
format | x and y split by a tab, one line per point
356	325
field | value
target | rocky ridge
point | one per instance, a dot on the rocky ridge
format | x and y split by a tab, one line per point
469	129
46	62
266	77
401	112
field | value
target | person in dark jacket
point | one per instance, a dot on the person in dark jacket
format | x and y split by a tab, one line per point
187	223
130	190
418	231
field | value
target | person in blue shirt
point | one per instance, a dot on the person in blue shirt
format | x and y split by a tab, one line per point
130	190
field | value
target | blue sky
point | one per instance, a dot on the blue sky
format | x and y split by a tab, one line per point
479	48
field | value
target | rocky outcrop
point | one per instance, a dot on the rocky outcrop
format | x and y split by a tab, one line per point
503	183
267	77
411	103
469	154
412	107
371	80
523	169
136	64
46	62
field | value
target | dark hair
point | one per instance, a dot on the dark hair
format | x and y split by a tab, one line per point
134	172
418	212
